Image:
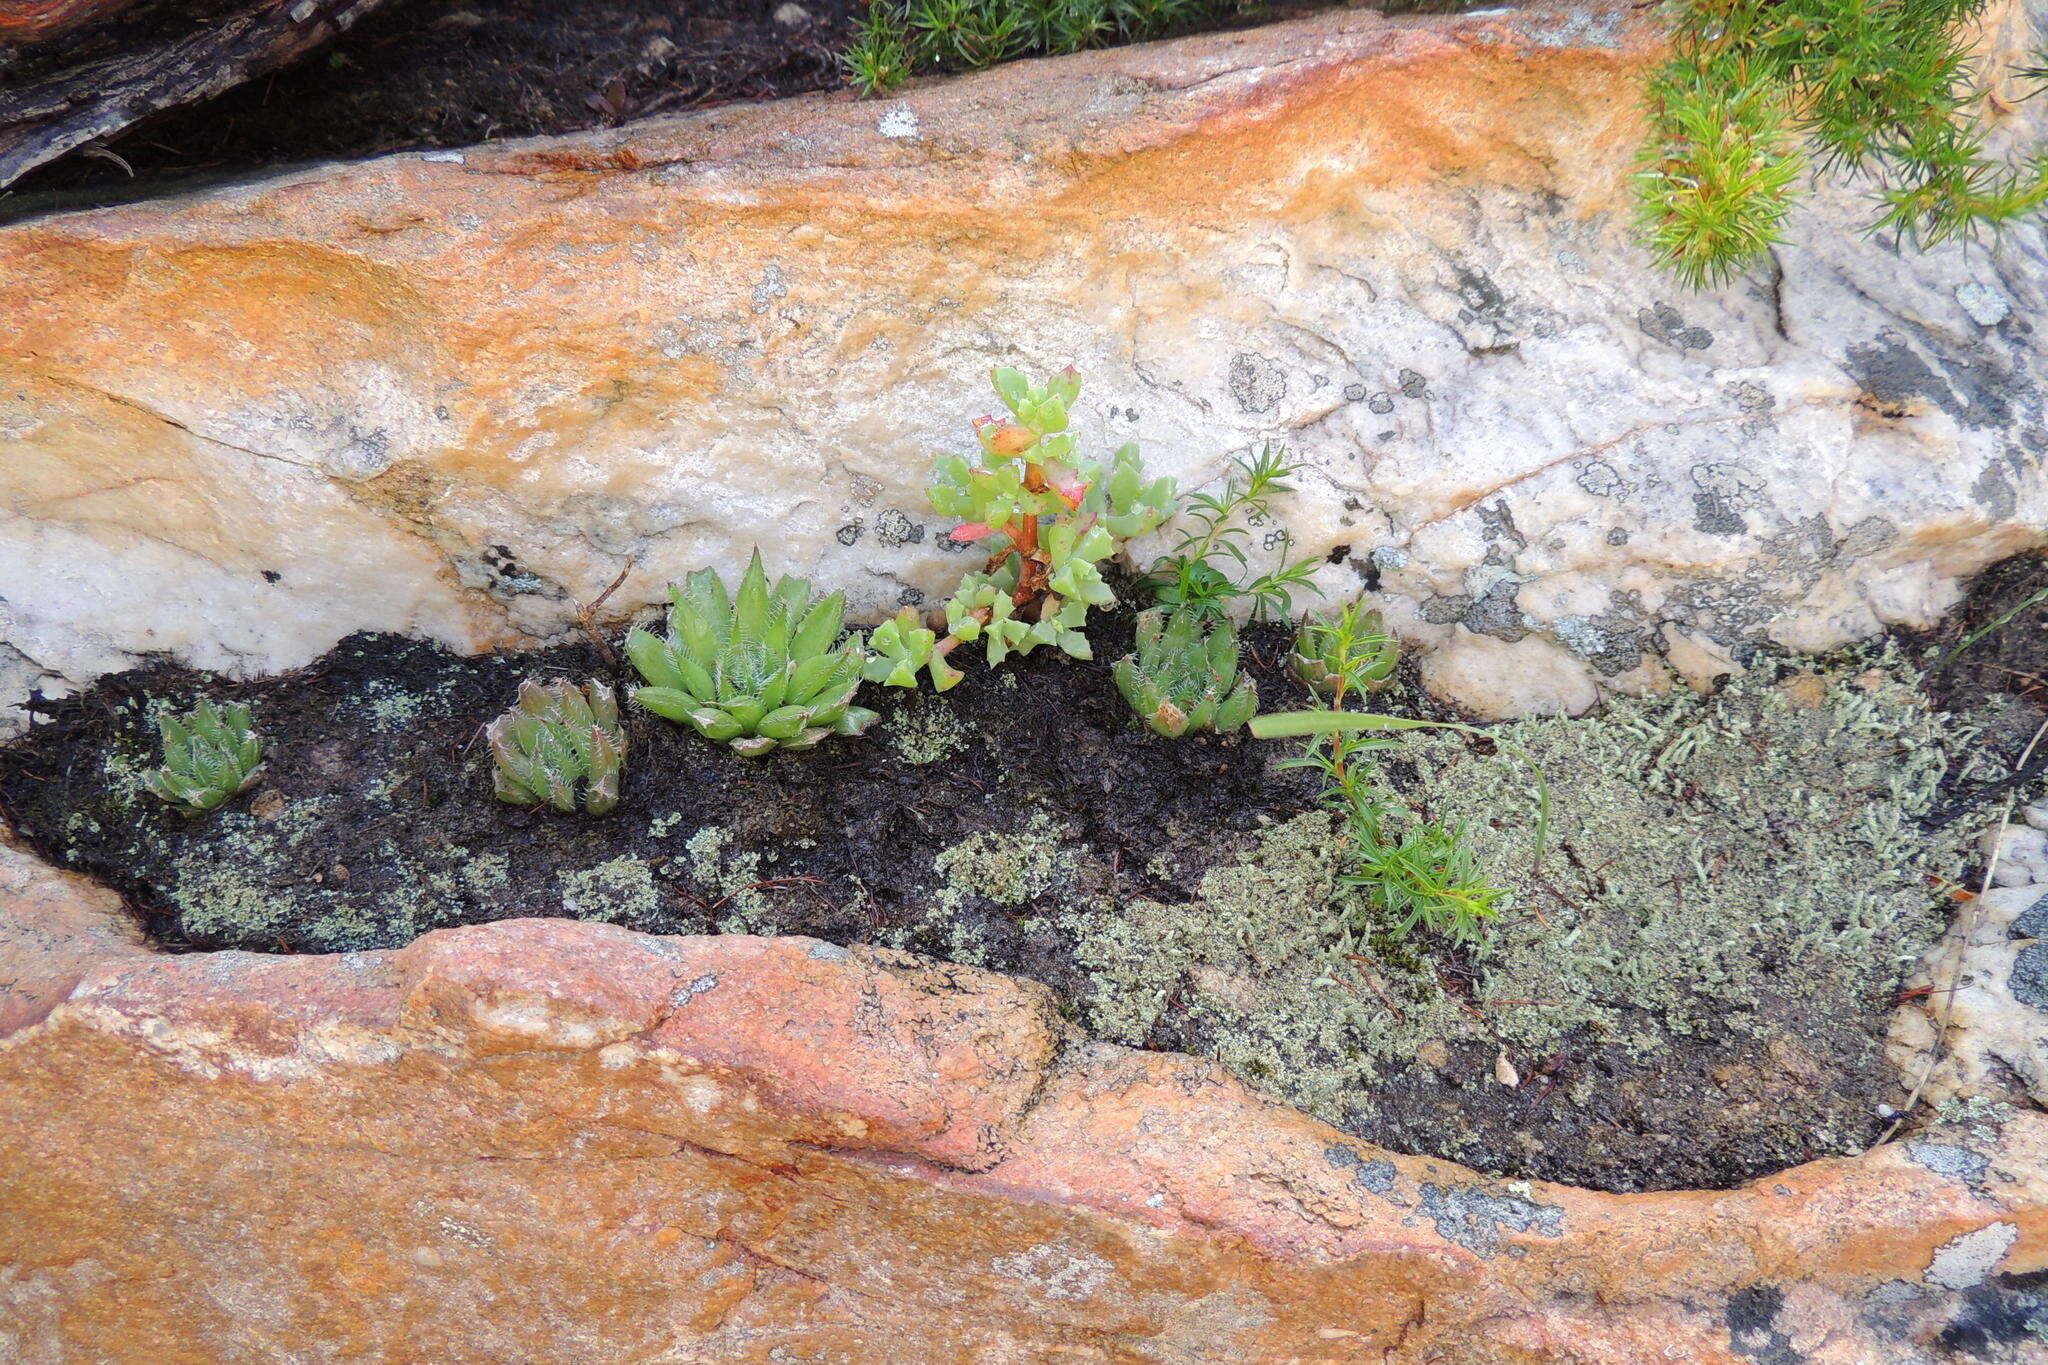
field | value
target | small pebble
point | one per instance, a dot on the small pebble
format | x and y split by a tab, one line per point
792	15
2013	841
337	873
1504	1070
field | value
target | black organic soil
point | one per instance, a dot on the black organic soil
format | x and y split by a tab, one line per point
846	834
1994	646
448	73
442	73
376	810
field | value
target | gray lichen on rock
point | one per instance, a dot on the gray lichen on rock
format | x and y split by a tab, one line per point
1708	856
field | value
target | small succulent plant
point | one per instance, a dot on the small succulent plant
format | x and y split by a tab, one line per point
1183	676
1353	652
560	746
760	670
209	755
1057	517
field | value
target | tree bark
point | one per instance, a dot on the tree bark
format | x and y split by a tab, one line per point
44	119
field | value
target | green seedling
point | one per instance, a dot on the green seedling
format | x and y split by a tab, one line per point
1053	517
1354	652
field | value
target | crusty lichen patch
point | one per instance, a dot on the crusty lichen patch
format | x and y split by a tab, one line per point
1008	869
731	878
248	884
926	731
621	890
1712	862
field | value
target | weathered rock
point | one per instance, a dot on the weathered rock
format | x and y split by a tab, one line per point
35	21
453	392
564	1141
1976	1020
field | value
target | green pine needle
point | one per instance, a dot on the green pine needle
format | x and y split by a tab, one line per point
1756	89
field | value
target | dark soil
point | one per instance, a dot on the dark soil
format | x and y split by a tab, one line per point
377	802
846	834
1990	658
447	73
442	73
1993	648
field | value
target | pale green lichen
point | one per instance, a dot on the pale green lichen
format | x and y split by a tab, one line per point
732	879
393	708
619	891
1707	857
241	890
231	887
1986	1117
1008	869
927	731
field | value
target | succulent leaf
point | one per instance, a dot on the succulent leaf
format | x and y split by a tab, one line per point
210	755
559	745
758	670
1183	675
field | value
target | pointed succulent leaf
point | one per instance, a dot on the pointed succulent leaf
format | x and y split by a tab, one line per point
811	676
667	702
750	603
775	691
704	601
1065	386
1011	386
820	628
783	723
854	720
559	745
713	723
746	712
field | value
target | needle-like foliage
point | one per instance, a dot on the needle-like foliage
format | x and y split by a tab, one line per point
1755	90
559	746
896	39
1210	568
1353	652
209	756
1184	675
1413	872
759	670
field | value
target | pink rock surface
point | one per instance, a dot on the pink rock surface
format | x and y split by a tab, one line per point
551	1140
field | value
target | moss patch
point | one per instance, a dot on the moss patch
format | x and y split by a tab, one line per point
1734	888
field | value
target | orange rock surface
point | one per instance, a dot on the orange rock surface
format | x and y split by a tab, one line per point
549	1140
455	393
